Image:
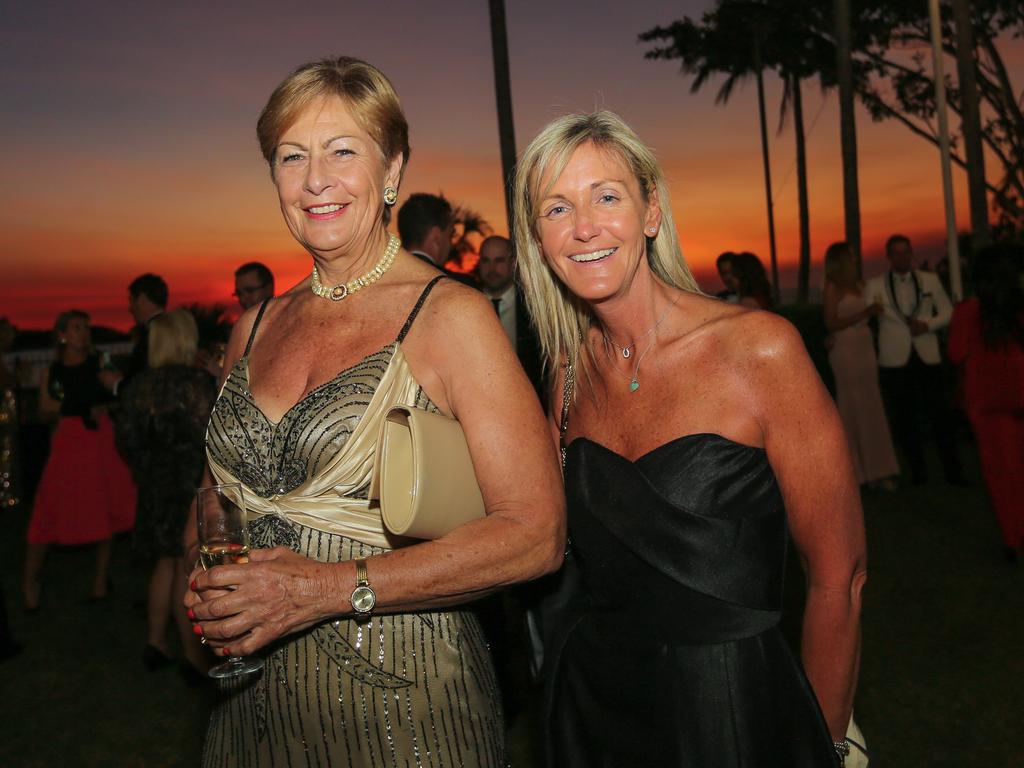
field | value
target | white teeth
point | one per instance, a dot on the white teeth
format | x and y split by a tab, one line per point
594	256
325	208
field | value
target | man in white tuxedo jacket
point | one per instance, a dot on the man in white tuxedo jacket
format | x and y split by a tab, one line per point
910	359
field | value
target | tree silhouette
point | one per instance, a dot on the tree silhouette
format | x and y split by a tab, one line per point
741	38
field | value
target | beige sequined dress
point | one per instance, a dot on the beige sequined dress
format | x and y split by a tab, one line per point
414	689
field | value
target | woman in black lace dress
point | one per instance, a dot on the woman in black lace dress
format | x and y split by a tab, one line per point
697	436
163	420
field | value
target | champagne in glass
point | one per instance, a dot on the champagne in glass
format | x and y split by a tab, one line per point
224	540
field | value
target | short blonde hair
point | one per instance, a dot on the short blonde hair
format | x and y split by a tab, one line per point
561	318
361	86
173	339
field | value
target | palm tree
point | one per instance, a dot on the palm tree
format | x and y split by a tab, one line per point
739	38
503	99
847	126
971	121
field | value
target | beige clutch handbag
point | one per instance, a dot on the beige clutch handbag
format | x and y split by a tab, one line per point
423	475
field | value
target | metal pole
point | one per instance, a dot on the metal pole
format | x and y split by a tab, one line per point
947	173
503	97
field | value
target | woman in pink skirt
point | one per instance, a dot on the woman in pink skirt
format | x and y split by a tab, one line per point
86	494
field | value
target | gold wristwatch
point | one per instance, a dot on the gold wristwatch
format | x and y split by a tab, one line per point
363	597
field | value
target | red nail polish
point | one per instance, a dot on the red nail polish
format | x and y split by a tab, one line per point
197	629
227	652
191	614
193	585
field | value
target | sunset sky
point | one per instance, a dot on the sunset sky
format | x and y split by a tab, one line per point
130	136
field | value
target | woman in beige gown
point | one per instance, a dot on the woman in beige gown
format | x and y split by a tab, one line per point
855	366
369	661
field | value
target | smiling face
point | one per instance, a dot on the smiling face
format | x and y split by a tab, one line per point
330	177
593	223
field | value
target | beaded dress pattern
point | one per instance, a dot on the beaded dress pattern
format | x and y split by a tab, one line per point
414	689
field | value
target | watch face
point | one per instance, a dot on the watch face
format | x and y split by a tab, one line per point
363	599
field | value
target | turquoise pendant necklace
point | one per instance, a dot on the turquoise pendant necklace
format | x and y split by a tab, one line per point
634	381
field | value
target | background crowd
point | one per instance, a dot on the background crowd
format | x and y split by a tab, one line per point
909	371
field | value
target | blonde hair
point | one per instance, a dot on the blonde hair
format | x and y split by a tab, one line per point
561	318
173	339
361	86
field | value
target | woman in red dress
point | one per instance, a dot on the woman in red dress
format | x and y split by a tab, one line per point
986	337
86	494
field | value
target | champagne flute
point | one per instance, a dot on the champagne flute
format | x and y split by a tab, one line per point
224	540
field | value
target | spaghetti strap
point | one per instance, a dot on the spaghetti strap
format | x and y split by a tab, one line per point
416	309
255	325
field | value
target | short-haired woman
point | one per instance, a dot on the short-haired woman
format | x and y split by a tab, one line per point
164	412
405	679
697	435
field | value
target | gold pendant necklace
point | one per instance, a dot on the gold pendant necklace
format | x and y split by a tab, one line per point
339	292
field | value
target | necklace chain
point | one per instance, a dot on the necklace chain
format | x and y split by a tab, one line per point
339	292
625	350
634	381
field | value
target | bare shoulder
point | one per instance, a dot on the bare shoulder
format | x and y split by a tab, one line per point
761	342
240	334
452	305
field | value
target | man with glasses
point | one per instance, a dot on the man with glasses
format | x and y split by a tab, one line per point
253	283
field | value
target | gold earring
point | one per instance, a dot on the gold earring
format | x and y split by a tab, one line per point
390	195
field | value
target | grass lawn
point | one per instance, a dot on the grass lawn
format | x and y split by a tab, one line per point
942	675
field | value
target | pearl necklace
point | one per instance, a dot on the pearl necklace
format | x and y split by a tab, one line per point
339	292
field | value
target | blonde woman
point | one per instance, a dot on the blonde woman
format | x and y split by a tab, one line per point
855	366
369	661
697	434
164	412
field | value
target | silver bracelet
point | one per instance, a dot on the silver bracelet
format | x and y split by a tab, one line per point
842	749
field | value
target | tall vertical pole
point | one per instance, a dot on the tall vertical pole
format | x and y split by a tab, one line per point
947	174
503	97
759	73
971	121
847	128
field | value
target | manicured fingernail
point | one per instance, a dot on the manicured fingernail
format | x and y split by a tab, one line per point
193	585
227	652
191	614
197	629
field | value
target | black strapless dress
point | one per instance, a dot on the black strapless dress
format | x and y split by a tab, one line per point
666	650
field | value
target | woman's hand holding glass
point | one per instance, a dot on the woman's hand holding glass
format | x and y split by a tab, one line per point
241	608
223	535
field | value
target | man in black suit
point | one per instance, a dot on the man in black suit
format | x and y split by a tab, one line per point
426	224
497	269
147	298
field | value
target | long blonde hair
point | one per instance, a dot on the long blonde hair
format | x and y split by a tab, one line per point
561	318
